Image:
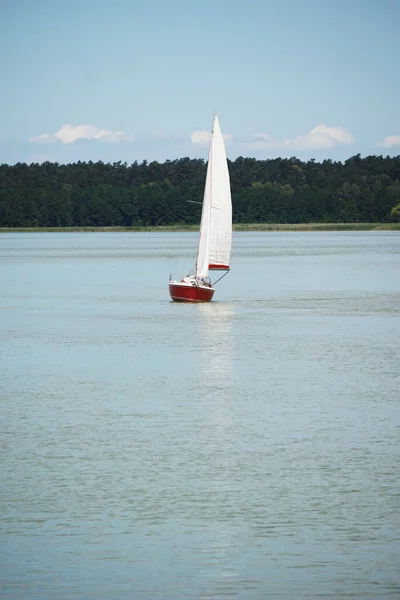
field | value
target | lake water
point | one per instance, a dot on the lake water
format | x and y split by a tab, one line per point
247	448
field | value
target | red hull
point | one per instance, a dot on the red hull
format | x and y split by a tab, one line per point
190	293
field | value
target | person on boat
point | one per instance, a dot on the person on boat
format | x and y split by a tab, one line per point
206	281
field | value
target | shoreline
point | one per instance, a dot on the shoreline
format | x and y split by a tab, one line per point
195	228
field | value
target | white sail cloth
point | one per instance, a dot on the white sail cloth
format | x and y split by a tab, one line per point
215	241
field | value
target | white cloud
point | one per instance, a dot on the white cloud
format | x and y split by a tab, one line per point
202	137
263	140
68	134
390	140
319	138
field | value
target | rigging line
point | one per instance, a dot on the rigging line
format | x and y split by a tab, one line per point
222	276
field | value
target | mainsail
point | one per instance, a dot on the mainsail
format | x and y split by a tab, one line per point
215	241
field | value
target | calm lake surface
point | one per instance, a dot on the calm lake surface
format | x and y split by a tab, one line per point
247	448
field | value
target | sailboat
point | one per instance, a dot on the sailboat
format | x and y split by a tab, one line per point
215	240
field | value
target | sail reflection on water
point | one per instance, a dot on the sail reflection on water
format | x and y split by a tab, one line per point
218	440
217	348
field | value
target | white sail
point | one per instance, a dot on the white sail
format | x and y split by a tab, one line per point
203	251
216	218
221	205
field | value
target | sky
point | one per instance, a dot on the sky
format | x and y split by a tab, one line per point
126	80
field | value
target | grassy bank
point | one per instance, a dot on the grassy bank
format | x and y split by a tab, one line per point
236	227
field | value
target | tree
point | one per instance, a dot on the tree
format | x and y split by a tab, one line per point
277	190
395	214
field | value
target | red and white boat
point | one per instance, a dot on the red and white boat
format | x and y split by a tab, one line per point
215	240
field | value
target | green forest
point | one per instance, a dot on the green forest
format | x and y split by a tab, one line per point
97	194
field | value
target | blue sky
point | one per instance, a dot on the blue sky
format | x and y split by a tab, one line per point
129	80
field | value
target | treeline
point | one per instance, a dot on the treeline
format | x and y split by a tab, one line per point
263	191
